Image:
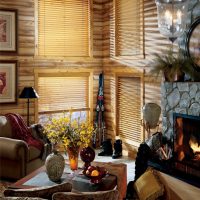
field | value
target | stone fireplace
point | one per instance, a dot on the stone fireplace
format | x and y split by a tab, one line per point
178	97
180	105
186	153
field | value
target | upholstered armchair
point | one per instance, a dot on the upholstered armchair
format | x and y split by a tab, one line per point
19	155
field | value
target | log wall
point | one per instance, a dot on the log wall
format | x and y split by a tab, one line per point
103	58
154	42
27	62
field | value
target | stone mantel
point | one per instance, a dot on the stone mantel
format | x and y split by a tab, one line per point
179	97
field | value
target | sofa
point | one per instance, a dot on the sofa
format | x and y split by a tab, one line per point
17	158
61	191
153	184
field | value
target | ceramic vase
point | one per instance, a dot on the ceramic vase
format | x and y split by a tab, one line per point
55	165
87	155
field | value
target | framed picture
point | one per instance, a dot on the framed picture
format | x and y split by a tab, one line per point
8	81
193	43
8	30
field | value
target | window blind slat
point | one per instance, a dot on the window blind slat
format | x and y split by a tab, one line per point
63	93
129	28
129	109
64	28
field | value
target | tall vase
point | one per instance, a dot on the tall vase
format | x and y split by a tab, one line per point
73	153
55	165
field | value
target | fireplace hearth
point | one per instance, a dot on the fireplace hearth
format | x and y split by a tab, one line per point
181	100
186	152
185	161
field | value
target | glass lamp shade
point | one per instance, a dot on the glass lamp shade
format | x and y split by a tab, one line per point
172	16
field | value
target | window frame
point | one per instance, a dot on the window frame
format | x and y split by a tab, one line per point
119	75
142	47
90	37
88	73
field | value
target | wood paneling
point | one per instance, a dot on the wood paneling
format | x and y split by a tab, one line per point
154	42
27	62
103	57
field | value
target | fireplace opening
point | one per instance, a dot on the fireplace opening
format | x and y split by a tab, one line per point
186	152
195	146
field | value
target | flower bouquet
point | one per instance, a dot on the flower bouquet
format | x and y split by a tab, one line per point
72	133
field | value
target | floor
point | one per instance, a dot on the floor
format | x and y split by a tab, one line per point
130	162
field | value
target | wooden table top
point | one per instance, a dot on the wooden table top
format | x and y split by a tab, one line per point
79	181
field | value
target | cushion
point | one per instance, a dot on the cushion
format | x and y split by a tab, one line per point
100	195
43	192
148	187
34	153
6	130
37	132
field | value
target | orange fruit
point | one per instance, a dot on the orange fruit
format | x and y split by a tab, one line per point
95	173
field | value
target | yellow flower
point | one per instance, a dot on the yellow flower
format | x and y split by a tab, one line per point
69	132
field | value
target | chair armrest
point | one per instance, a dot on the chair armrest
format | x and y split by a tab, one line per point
119	170
178	189
42	192
13	149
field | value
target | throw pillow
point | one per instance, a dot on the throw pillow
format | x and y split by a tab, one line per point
148	186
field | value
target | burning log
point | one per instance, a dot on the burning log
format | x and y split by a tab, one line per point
194	145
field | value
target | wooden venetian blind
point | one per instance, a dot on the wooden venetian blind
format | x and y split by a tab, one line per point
128	27
63	28
61	93
129	109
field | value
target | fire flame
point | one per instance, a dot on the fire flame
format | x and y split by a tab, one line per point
194	145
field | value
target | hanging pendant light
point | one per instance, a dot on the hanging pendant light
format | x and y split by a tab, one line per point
172	16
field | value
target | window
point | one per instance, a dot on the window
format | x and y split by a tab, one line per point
64	28
129	103
60	93
128	27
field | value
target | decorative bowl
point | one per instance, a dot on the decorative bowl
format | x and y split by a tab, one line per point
95	174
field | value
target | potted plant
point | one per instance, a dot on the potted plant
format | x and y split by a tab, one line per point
174	67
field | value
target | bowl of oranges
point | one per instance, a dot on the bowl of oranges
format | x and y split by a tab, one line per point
95	173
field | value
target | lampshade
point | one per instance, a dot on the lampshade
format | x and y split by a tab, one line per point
28	93
172	17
